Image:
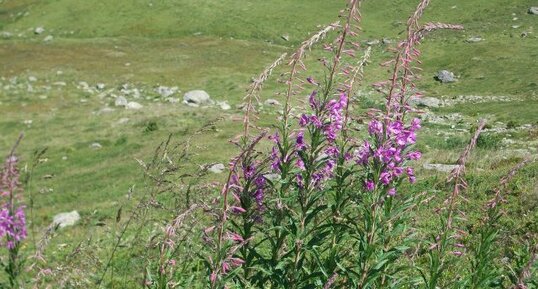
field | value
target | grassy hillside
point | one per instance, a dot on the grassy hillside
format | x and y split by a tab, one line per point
217	46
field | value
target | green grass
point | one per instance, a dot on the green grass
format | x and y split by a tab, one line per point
218	46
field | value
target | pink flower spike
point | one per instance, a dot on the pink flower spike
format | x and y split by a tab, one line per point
457	253
391	192
237	210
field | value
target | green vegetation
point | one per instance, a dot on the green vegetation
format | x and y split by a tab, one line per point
218	46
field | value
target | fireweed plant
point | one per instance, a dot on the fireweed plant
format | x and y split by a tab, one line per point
322	208
12	220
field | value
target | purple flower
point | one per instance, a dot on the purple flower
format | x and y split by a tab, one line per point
275	160
385	178
315	121
415	124
299	143
375	128
332	151
391	192
369	185
300	164
312	100
415	155
304	120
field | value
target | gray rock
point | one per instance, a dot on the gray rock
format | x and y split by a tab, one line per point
271	102
63	220
217	168
425	102
100	86
533	10
285	37
39	30
172	99
6	34
224	105
474	39
445	76
121	101
32	78
443	168
49	38
134	105
165	91
96	146
372	42
197	98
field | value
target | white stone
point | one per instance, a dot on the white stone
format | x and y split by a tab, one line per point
271	102
39	30
63	220
121	101
198	97
133	105
49	38
96	146
224	105
217	168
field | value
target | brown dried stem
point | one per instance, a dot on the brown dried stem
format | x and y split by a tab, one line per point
457	174
254	91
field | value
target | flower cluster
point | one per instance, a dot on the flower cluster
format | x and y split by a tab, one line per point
12	218
389	150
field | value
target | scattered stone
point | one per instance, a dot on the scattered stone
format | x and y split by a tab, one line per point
286	37
533	10
440	167
271	102
172	99
224	105
59	83
196	98
63	220
372	42
386	41
165	91
217	168
515	26
32	78
64	158
39	30
133	105
49	38
96	146
445	76
425	102
474	39
106	110
6	35
123	120
100	86
121	101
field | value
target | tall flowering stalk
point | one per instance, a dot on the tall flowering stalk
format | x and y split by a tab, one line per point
12	218
448	240
323	206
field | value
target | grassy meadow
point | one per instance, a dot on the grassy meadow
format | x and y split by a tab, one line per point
218	46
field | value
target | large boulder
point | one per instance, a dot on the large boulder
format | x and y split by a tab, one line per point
533	10
197	98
